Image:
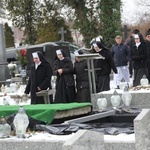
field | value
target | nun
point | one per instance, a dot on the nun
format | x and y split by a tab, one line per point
103	67
82	80
65	84
139	58
40	77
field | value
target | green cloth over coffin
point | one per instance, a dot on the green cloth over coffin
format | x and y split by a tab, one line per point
41	112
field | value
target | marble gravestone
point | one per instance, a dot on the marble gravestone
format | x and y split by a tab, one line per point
3	62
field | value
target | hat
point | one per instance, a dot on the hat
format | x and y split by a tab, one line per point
147	32
35	55
58	52
136	31
136	36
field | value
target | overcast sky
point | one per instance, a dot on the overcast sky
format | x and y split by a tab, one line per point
132	11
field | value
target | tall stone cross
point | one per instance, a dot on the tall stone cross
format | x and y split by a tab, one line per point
3	62
125	30
62	32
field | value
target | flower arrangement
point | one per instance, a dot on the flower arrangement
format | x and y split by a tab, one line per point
12	67
22	57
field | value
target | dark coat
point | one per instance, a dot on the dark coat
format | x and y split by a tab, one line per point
148	51
67	71
103	74
148	58
105	65
40	77
139	56
121	54
82	81
65	84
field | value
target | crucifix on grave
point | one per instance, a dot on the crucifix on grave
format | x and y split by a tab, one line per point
62	32
91	70
125	31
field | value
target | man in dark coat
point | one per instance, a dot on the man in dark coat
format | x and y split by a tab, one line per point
139	58
65	85
104	67
82	80
148	52
40	78
122	55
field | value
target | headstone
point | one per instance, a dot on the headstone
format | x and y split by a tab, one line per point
62	32
85	140
3	62
125	30
142	130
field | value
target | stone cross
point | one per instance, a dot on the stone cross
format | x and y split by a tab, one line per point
125	30
3	61
62	32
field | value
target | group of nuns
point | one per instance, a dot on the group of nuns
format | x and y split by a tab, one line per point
67	90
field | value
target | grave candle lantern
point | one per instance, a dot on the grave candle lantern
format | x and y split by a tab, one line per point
126	96
115	100
101	102
21	122
144	81
122	84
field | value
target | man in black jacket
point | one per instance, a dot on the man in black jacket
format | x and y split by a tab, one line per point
148	52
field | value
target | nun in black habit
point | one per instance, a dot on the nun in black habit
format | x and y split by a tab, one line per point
40	77
82	80
139	58
104	67
65	85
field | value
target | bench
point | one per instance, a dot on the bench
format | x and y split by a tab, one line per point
46	94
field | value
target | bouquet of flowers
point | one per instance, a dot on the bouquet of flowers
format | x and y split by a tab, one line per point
22	57
12	67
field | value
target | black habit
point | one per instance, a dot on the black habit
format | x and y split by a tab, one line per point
139	58
65	85
82	81
104	67
40	77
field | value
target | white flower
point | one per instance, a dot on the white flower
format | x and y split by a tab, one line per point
12	67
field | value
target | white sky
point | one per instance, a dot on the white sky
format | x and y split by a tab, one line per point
132	11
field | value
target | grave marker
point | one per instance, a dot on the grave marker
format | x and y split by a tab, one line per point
125	31
62	32
3	61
